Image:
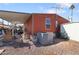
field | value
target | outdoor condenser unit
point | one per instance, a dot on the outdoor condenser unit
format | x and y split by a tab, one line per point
45	38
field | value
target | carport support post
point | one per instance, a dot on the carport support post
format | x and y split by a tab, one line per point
2	22
23	32
13	29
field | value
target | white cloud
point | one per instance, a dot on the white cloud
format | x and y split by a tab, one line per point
54	11
5	3
51	11
65	4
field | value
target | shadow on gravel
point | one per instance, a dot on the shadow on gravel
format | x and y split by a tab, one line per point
56	41
16	44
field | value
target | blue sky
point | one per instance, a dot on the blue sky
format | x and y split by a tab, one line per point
43	8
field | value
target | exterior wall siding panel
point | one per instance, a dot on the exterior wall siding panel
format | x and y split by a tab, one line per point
39	23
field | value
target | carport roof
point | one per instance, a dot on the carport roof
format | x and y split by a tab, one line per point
12	16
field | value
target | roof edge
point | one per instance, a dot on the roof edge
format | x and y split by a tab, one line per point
14	12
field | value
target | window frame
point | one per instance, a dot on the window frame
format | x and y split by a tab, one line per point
47	22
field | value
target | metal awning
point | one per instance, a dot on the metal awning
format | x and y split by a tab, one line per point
11	16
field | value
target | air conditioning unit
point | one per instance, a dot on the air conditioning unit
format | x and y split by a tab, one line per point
45	38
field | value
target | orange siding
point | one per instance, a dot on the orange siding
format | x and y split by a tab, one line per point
39	22
62	20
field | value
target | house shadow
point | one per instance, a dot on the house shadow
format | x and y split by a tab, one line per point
56	41
16	44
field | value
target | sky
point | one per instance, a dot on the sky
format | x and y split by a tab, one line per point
62	8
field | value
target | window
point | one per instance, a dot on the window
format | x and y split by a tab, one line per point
0	32
47	23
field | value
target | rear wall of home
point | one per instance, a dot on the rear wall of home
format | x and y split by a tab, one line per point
39	22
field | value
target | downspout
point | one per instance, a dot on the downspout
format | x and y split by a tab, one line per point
32	25
55	22
39	24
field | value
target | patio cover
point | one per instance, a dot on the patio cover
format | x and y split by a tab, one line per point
13	17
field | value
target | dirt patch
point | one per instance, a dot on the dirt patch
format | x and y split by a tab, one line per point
62	48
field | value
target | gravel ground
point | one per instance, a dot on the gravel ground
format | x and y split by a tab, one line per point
62	48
